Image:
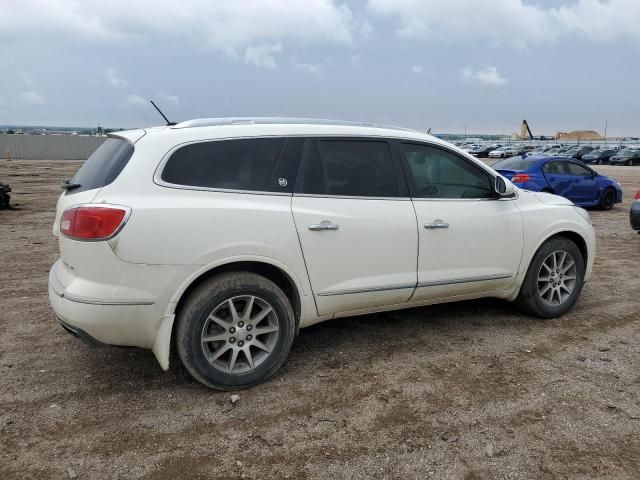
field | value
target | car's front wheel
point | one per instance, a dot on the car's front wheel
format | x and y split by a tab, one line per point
554	279
607	199
235	330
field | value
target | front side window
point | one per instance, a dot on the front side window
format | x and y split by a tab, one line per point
351	168
254	164
575	169
437	173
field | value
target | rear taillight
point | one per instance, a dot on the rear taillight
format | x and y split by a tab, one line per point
93	222
520	178
637	197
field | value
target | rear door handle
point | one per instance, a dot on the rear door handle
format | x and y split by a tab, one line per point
323	226
436	224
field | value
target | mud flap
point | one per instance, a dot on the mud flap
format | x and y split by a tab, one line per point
162	343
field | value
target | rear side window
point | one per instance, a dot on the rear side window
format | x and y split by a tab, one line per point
255	164
349	168
103	166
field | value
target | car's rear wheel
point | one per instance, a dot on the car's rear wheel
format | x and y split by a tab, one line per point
607	199
554	279
235	330
630	163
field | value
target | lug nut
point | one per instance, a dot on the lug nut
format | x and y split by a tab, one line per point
232	339
249	337
241	324
249	327
240	343
232	330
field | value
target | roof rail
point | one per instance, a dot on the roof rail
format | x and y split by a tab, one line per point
212	122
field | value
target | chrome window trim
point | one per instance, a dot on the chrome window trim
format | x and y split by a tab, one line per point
157	175
479	278
349	197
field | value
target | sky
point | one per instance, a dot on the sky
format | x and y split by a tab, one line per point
448	65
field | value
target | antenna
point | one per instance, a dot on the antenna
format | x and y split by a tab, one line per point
163	115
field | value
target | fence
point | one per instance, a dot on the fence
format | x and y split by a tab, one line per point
48	147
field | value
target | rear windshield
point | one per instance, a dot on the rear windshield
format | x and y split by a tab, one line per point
514	163
103	166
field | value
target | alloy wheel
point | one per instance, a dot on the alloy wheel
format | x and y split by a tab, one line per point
240	334
557	278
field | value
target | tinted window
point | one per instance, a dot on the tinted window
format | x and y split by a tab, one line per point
575	169
257	164
349	168
514	163
553	168
103	166
437	173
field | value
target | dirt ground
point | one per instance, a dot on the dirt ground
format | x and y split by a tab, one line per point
473	390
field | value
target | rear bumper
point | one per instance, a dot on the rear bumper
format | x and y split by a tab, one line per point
123	323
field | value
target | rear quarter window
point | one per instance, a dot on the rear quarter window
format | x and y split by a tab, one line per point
254	165
103	166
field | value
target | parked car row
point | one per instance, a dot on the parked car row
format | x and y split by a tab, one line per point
589	154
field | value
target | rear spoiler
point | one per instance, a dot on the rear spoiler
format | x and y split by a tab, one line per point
131	136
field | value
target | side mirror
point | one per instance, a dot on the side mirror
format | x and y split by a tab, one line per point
503	187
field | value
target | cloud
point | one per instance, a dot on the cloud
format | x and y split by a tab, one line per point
263	56
113	78
310	68
26	78
135	100
513	23
248	29
168	98
417	69
487	76
31	97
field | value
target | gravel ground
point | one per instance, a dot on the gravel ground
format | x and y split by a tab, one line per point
472	390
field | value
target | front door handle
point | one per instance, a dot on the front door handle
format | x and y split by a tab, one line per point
436	224
322	226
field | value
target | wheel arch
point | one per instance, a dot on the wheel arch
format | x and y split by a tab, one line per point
275	273
572	235
164	344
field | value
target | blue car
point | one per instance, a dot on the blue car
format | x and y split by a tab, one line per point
566	177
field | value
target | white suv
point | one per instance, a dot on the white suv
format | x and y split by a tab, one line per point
221	238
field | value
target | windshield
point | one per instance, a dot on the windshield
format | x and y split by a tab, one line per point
514	163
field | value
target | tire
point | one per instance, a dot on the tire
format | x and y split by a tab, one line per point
228	332
607	199
530	299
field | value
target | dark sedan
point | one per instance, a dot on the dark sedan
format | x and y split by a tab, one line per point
628	156
579	151
599	156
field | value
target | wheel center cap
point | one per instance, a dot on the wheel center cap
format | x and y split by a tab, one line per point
241	333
